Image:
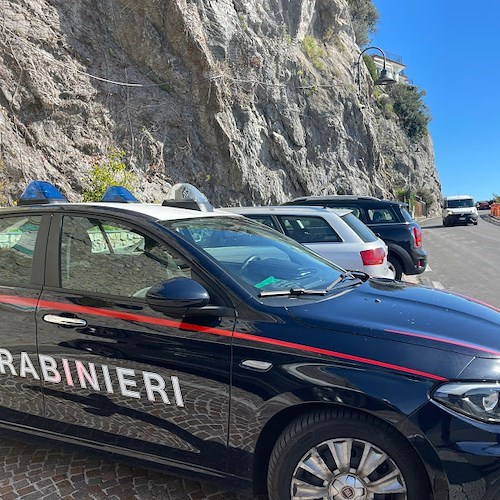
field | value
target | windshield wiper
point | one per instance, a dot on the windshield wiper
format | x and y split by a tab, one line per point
360	275
294	292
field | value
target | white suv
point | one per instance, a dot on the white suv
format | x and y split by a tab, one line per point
336	235
459	208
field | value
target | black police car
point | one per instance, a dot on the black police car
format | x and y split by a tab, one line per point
207	344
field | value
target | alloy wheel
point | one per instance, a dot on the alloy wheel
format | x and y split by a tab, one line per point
347	469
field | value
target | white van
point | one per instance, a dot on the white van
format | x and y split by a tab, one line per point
459	208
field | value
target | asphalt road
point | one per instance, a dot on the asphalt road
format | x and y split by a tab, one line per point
464	259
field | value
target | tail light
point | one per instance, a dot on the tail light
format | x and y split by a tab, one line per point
417	236
373	257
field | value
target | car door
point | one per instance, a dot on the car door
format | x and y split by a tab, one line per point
118	373
22	248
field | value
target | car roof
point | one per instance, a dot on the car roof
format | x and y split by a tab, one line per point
459	197
347	198
287	209
154	211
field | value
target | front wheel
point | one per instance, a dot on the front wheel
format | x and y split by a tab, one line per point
339	455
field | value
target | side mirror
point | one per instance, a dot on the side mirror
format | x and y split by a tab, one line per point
176	296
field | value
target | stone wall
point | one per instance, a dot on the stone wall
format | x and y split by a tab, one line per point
224	95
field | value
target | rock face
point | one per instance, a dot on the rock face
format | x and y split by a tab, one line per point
252	101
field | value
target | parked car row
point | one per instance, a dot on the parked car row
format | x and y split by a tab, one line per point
375	227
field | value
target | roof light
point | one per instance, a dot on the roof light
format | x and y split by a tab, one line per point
119	194
41	192
185	195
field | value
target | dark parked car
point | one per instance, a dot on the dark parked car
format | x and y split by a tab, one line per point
206	344
483	205
388	219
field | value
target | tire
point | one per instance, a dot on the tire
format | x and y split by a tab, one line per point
312	441
395	266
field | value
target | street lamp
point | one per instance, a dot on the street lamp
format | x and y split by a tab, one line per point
385	77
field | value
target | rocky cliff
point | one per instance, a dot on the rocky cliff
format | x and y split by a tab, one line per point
252	101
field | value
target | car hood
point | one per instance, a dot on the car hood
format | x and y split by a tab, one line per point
408	313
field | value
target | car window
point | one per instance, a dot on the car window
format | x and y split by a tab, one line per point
364	232
406	215
263	219
105	257
257	257
380	215
308	229
17	244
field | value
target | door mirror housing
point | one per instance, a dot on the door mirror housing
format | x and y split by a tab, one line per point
175	296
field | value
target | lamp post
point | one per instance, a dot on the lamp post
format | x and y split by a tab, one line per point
385	77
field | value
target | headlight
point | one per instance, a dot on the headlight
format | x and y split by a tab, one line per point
476	400
449	212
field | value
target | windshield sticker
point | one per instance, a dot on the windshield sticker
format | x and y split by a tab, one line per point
267	281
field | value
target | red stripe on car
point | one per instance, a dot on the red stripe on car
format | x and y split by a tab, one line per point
95	311
445	341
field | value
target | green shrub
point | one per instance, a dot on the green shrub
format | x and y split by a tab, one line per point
364	19
425	194
314	51
113	172
401	194
408	105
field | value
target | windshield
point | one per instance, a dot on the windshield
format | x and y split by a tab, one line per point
259	258
468	202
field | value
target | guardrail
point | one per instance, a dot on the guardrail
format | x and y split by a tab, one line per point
495	209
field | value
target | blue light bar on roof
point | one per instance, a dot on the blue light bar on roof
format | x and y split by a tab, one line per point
41	192
119	194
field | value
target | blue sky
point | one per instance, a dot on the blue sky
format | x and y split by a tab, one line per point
451	51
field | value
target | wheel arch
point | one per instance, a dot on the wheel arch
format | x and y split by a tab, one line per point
401	255
275	426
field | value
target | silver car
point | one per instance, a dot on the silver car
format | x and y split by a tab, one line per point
337	235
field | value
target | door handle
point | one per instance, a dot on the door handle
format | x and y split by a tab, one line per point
64	321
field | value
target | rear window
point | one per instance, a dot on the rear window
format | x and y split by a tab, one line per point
406	215
364	232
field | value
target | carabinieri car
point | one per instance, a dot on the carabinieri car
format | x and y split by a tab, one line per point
206	344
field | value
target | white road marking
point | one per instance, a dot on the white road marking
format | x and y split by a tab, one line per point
428	269
438	284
